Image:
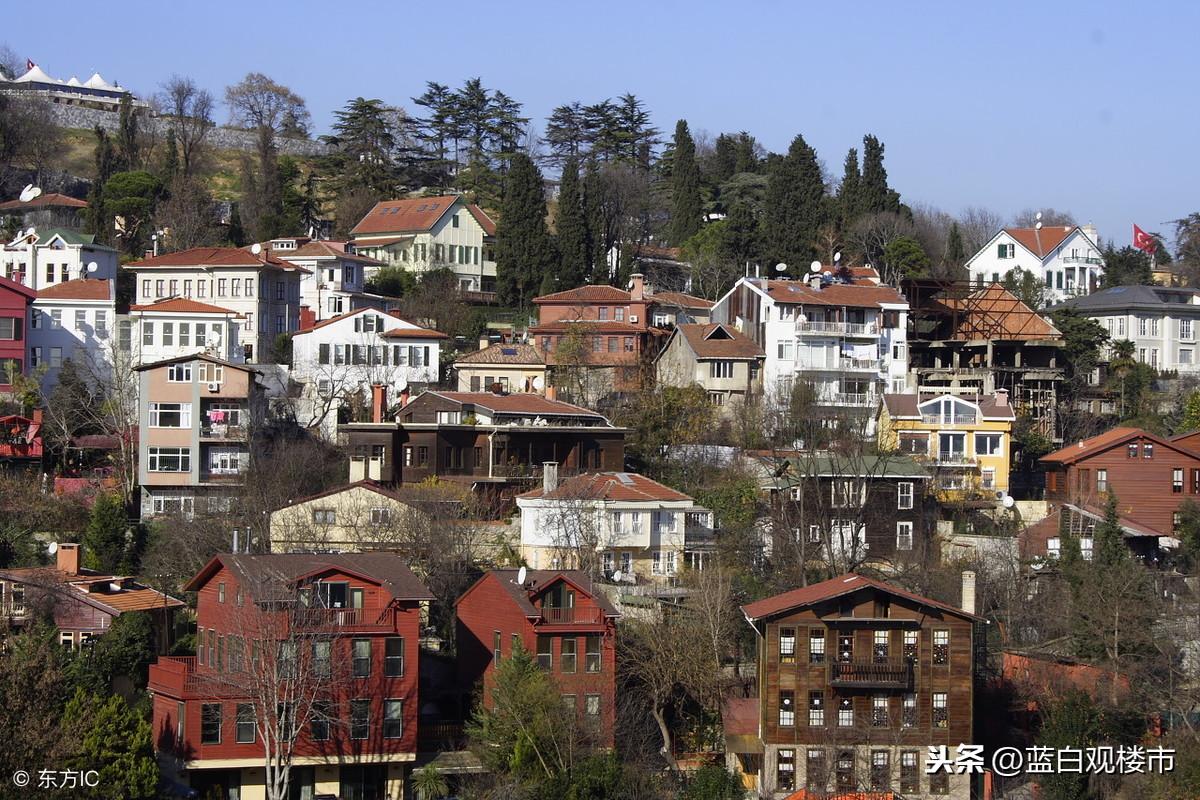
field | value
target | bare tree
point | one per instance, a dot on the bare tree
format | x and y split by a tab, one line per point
1050	216
978	226
11	66
188	215
872	233
259	103
191	111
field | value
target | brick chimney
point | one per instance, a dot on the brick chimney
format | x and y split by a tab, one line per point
551	392
637	291
68	558
404	397
968	591
37	416
549	476
308	318
1002	398
378	402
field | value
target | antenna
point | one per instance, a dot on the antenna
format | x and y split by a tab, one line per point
30	192
92	266
52	548
814	267
256	248
781	267
521	575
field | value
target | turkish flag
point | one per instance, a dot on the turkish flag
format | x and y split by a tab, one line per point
1143	241
29	65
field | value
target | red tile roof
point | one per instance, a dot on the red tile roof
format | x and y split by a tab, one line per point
78	289
384	242
1041	242
414	333
836	587
320	249
833	294
718	341
485	222
516	353
593	293
679	299
400	333
618	486
1099	443
539	580
526	404
184	305
592	326
51	199
413	214
203	257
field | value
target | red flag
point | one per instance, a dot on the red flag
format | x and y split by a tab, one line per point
1143	241
29	65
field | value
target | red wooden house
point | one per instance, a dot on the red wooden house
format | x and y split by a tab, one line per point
21	440
557	616
312	655
15	302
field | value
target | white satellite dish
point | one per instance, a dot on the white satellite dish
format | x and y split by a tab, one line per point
521	573
1008	501
52	548
617	576
92	266
1038	217
814	267
256	248
837	256
1038	226
30	192
538	383
781	267
213	337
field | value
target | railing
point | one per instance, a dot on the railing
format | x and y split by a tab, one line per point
570	616
853	399
13	609
846	328
339	618
220	431
954	419
955	457
441	736
222	476
1082	260
870	675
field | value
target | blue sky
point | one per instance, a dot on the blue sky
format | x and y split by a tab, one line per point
1084	106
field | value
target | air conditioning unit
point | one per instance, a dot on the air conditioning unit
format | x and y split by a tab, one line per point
633	318
214	387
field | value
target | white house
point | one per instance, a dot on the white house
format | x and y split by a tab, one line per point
39	259
341	358
73	320
1066	257
334	283
263	291
425	233
632	525
848	340
1162	322
178	327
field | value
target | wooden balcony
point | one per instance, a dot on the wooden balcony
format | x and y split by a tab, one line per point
571	616
338	618
869	675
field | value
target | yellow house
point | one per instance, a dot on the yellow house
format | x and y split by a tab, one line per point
517	367
355	517
967	439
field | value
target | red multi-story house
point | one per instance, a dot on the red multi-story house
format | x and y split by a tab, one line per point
15	302
300	656
557	616
21	440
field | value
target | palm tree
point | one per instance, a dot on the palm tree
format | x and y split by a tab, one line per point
1120	361
429	783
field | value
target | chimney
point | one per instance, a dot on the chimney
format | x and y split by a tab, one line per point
637	290
378	401
1002	398
815	282
1090	231
549	476
68	558
404	396
37	416
308	318
551	392
484	342
968	591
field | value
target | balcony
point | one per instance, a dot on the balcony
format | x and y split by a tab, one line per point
855	399
571	616
955	458
841	365
1082	260
335	618
837	328
220	432
13	609
869	675
230	477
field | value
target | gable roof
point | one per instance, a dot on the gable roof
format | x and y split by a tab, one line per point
1041	242
319	248
614	486
416	332
183	305
1106	441
540	579
715	340
79	289
517	353
832	294
18	288
216	257
837	587
485	222
522	403
196	357
50	199
908	406
366	484
412	214
267	575
592	293
992	312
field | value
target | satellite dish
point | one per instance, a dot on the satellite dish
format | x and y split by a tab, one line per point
521	573
213	337
92	266
30	192
1008	501
256	248
781	267
837	256
52	548
1038	226
629	285
538	383
1038	217
814	267
617	576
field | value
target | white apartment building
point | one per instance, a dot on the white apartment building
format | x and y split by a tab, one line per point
425	233
632	524
76	321
341	358
263	291
52	256
1162	322
178	327
1066	257
848	340
336	277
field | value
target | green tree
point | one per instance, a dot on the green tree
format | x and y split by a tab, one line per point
876	195
1189	535
33	688
724	159
905	256
124	653
713	782
364	139
116	741
1070	554
1072	721
131	198
956	254
1126	267
571	228
1108	539
429	783
391	282
104	537
745	154
795	208
524	250
849	196
1191	413
740	235
1028	288
685	186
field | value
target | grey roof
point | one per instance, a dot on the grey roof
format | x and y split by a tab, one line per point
539	579
790	467
1124	297
268	575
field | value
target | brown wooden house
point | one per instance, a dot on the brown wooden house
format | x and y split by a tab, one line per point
856	679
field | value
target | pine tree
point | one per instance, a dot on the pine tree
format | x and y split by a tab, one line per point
571	228
236	234
956	253
1070	554
524	250
104	537
745	159
740	235
685	187
849	196
876	196
1108	542
724	163
796	207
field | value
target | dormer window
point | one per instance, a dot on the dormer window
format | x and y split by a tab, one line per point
948	411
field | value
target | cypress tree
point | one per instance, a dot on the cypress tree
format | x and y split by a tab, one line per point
849	196
795	208
685	187
571	228
744	157
1108	545
740	235
104	537
524	250
724	158
597	223
955	250
876	196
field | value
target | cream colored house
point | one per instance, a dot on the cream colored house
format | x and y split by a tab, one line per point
615	522
359	516
516	367
726	362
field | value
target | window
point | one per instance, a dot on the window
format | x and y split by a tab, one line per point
179	373
785	349
568	654
393	719
848	493
35	358
320	658
816	774
846	712
147	333
1132	450
201	288
321	713
1085	544
170	415
160	288
939	783
324	516
245	723
1054	547
941	715
55	356
1185	356
941	647
1177	481
545	653
591	705
1147	450
787	645
592	654
8	325
881	770
988	444
880	647
602	313
361	657
845	647
360	719
236	287
816	646
1102	479
222	287
210	723
785	770
910	645
1004	251
80	319
816	709
904	536
168	334
787	707
910	777
908	710
720	369
904	495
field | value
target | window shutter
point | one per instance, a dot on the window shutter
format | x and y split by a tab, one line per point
1001	251
323	357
